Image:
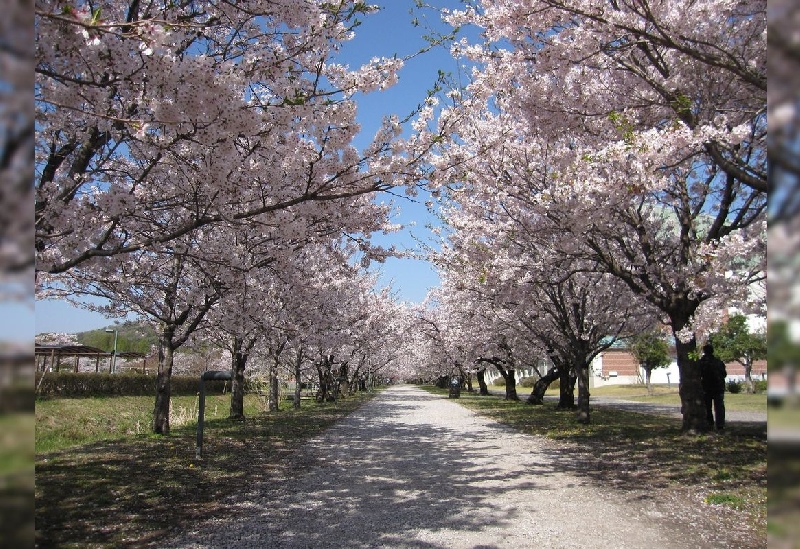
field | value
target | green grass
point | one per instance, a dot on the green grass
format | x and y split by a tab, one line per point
633	391
62	423
784	494
103	481
16	479
638	449
787	417
731	500
662	394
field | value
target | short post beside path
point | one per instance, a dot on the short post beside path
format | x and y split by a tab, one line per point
207	376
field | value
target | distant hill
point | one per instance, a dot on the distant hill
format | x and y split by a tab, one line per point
133	337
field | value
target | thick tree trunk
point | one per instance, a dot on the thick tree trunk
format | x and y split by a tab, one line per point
325	379
342	386
511	382
583	394
483	389
541	385
647	374
511	385
566	397
163	393
274	393
238	364
298	385
691	389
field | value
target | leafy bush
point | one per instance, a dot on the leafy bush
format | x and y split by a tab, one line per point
760	386
734	387
85	385
499	382
528	382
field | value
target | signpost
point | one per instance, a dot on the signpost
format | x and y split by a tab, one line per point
207	376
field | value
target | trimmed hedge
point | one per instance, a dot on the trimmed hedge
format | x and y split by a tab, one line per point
85	385
16	399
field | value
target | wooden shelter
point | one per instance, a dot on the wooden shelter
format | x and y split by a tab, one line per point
50	356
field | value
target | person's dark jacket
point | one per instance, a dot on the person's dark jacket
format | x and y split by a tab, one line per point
713	373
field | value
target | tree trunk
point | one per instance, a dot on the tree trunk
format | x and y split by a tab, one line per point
483	389
165	358
238	363
511	382
566	386
274	393
647	374
583	394
298	385
748	377
511	385
691	389
342	386
325	377
541	385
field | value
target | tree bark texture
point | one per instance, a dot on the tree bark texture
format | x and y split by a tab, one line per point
566	390
239	362
541	385
166	353
690	389
582	414
274	393
298	385
483	389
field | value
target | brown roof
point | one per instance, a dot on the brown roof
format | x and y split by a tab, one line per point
78	350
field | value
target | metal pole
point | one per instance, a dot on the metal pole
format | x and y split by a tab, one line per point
198	454
114	356
213	374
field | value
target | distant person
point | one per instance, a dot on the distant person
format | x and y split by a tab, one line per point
713	373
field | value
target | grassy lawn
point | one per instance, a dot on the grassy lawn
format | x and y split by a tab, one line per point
787	417
784	494
103	481
663	394
16	479
638	449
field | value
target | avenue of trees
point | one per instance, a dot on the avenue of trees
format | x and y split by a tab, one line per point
602	173
619	140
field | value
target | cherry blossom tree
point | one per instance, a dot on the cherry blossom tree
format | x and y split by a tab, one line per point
562	309
635	139
207	136
154	120
784	115
16	146
172	287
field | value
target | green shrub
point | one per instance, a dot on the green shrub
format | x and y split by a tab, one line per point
734	387
528	382
499	382
86	385
760	385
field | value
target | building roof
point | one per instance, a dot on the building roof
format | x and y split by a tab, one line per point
79	350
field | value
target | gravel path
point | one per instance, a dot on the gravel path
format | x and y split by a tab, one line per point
409	469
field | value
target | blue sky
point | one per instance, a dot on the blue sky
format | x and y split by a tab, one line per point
385	33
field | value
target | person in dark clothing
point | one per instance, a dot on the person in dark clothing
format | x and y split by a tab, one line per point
713	373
